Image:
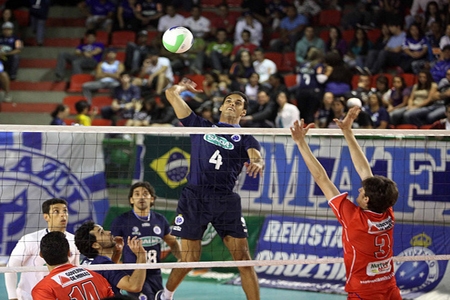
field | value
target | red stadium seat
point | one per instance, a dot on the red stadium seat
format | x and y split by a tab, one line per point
289	62
330	17
276	57
151	35
211	3
355	80
410	79
348	35
101	122
70	102
290	80
121	38
324	35
121	56
426	126
373	35
77	80
101	101
103	37
22	17
406	126
197	78
234	3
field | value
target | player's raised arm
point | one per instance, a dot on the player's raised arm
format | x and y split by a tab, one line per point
182	110
256	164
298	133
359	160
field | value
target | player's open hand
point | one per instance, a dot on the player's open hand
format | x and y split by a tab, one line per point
119	243
299	130
189	85
349	118
135	245
254	168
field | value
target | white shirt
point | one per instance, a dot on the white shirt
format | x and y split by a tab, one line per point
264	68
26	254
256	32
166	22
198	27
162	62
109	69
287	116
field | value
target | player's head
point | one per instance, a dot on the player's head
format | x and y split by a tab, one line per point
377	194
90	238
234	106
142	195
56	214
54	248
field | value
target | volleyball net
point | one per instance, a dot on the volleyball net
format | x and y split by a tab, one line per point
294	238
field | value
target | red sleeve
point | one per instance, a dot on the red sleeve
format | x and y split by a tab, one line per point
42	292
342	207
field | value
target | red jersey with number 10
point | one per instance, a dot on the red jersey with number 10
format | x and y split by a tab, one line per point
367	239
68	282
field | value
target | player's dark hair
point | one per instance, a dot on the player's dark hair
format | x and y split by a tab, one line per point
55	248
59	108
84	239
144	184
244	96
47	203
81	105
382	193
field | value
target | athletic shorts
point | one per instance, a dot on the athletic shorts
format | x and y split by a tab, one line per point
198	207
392	293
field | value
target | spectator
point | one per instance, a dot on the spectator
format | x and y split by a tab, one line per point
359	16
38	16
309	40
439	69
312	75
443	123
141	116
380	44
10	47
198	24
148	13
291	29
251	89
415	50
263	66
335	42
357	50
382	89
5	83
340	76
242	68
8	16
398	95
257	8
126	100
337	112
287	113
378	114
99	14
135	53
223	20
162	114
84	115
432	14
58	115
421	96
417	7
434	37
125	16
277	84
246	45
251	24
445	39
363	120
322	114
392	53
390	10
275	11
308	8
210	84
170	19
195	57
264	114
87	55
218	52
107	74
362	90
158	70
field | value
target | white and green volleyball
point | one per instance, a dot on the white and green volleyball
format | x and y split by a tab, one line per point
177	39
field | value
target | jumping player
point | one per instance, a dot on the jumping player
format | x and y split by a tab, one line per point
66	281
26	252
216	161
150	227
367	227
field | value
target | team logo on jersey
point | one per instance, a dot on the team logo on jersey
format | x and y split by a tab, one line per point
179	220
135	231
236	137
157	229
418	276
172	167
218	141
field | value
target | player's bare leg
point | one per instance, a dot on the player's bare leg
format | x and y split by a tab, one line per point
238	248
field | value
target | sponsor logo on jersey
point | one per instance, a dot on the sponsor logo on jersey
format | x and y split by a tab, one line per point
176	228
218	141
379	267
71	276
384	225
149	241
179	220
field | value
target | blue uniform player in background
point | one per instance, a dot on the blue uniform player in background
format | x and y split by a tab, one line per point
150	227
216	161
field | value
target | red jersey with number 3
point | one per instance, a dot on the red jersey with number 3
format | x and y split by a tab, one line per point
367	239
68	282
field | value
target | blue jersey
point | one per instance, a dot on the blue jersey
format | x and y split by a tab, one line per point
217	159
113	276
91	47
308	76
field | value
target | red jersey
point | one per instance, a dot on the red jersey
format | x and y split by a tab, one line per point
69	282
367	238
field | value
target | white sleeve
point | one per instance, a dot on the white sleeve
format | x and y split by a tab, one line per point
321	78
15	260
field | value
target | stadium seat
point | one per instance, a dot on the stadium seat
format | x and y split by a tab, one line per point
151	35
176	78
234	3
406	126
22	17
209	14
290	80
101	101
211	3
324	34
77	80
329	17
410	79
70	102
121	122
289	62
197	78
348	35
101	122
355	80
121	56
103	37
276	57
373	35
426	126
121	38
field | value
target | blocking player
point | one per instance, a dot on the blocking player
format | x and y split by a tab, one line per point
65	280
26	252
367	227
216	161
151	228
99	247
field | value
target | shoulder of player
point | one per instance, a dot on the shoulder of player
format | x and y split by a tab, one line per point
35	236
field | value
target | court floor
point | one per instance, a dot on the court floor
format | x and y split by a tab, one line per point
196	290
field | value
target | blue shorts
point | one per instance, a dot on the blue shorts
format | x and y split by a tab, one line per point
198	207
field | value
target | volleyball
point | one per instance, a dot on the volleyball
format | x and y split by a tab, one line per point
177	39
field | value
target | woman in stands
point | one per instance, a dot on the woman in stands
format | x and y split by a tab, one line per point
398	95
415	50
377	112
335	41
340	75
242	68
358	49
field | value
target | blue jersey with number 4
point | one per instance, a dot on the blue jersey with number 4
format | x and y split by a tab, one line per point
217	159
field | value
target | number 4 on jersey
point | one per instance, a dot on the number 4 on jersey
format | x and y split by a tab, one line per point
216	159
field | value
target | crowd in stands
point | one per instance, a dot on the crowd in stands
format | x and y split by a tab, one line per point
370	54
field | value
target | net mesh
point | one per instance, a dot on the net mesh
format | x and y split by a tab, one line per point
293	235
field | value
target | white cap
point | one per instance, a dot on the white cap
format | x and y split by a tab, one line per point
354	102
